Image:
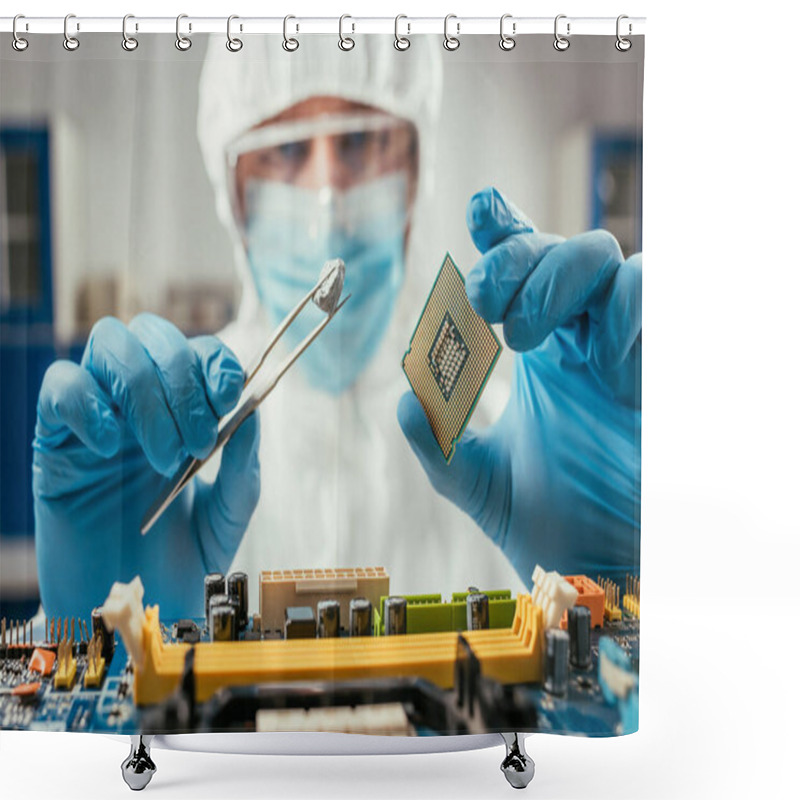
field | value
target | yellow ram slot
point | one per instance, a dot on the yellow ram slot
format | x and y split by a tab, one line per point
509	655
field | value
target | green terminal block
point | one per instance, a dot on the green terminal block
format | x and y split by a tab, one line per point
428	613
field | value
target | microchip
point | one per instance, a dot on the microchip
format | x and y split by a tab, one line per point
452	352
186	630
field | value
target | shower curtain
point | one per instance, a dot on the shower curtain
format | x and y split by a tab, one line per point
431	524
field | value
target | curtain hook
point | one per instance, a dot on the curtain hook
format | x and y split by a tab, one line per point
70	43
507	42
18	43
346	42
129	43
401	42
233	44
622	44
561	43
451	42
183	43
290	44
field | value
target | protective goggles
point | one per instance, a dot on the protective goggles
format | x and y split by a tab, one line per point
361	146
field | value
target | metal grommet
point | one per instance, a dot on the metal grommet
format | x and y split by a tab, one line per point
183	43
129	43
70	43
346	42
401	42
290	44
622	44
561	43
233	44
507	42
451	42
18	43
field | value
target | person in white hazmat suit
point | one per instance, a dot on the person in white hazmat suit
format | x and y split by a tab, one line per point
314	155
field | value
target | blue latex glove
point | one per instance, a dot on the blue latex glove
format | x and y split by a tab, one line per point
108	434
557	480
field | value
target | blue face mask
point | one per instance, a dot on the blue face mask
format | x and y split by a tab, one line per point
290	233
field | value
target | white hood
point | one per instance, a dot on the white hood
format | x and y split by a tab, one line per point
240	90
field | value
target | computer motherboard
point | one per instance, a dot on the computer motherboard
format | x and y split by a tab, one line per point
333	650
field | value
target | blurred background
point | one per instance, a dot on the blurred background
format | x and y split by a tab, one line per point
105	207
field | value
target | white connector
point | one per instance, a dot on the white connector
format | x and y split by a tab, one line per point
554	594
123	611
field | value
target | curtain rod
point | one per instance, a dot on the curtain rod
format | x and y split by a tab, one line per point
405	26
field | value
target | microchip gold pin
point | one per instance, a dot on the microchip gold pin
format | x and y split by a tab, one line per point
451	355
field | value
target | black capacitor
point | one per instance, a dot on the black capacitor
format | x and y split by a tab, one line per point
106	636
214	583
237	587
233	600
477	611
223	624
215	600
328	615
579	626
556	661
394	616
360	617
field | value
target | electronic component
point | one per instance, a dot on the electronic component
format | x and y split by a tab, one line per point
554	594
611	609
106	636
123	611
224	623
27	691
589	595
237	587
95	663
556	659
186	630
281	589
506	655
67	666
477	611
615	672
42	661
474	681
385	719
328	615
213	583
579	628
428	613
360	617
631	600
450	357
329	289
233	600
394	616
299	623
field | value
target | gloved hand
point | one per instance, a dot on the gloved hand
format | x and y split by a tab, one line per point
557	479
108	434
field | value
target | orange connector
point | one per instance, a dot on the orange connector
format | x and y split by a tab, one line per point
589	595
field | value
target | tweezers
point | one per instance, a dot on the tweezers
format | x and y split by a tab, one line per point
332	275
